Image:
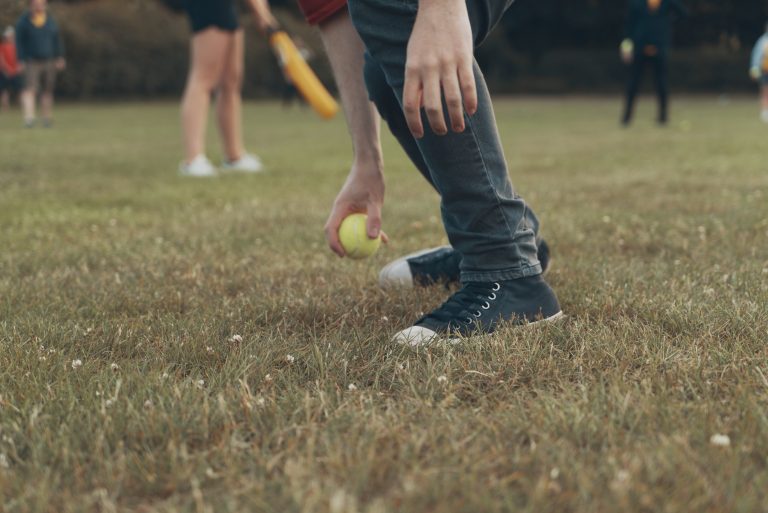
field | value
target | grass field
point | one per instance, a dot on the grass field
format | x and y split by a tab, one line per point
660	242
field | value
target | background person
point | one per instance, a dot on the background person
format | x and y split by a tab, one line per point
41	56
759	71
647	41
10	76
217	61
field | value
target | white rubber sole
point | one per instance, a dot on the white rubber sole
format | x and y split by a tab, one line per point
397	274
417	336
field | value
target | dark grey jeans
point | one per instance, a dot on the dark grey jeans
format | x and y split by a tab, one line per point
492	228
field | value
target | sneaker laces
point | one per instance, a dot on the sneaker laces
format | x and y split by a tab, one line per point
467	305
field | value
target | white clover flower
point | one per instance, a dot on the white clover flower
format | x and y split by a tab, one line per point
148	404
260	401
236	339
4	461
41	358
165	375
76	364
98	394
200	383
442	380
720	440
115	367
209	349
268	378
290	358
554	473
352	387
109	402
384	318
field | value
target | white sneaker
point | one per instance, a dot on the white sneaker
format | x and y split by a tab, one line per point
764	116
248	163
200	167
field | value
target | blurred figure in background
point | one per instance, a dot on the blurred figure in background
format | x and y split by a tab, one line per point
647	40
759	71
41	56
10	77
217	61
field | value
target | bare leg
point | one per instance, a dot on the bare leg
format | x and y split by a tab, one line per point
46	105
207	48
28	105
229	102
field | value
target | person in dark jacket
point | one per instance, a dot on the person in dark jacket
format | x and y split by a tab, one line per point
41	56
648	38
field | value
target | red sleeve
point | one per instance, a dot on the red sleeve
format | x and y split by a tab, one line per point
318	11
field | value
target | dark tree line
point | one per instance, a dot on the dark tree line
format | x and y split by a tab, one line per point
139	47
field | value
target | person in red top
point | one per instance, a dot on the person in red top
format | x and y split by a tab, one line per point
10	75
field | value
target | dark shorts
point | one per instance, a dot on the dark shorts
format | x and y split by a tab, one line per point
318	11
205	14
14	83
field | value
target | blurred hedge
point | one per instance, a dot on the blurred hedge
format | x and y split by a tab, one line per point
138	48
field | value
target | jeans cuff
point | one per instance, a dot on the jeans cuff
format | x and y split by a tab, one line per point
513	273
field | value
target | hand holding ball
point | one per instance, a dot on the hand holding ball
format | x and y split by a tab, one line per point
353	236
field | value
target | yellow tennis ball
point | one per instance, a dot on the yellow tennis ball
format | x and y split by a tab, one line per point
354	237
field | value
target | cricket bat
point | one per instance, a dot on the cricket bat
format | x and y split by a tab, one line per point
302	76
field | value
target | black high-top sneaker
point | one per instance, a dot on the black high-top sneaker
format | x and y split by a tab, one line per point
479	307
436	265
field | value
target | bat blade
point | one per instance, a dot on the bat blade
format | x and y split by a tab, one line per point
302	76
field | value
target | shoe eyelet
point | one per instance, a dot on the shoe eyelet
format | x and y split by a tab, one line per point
492	297
469	320
496	287
486	306
478	314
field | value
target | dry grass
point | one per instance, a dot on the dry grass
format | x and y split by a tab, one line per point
661	255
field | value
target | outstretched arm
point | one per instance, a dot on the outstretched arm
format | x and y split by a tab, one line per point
363	190
263	15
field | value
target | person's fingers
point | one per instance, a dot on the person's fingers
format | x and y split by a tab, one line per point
453	101
468	87
373	225
412	103
332	232
433	103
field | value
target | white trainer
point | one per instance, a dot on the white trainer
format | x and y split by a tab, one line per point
199	167
248	163
421	268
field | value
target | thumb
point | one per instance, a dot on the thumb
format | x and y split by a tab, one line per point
373	226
